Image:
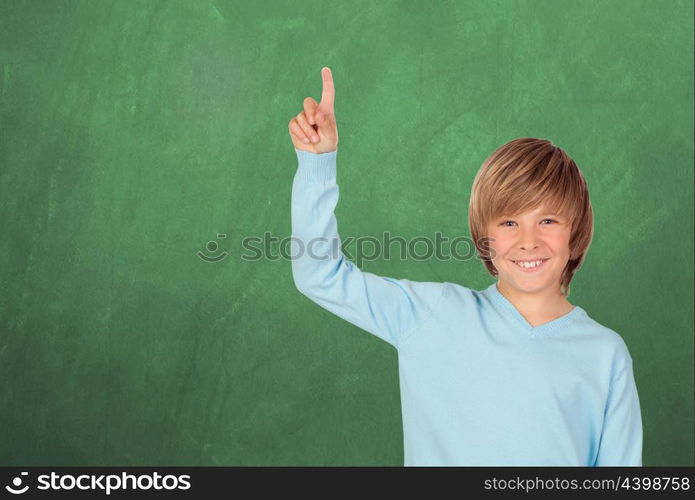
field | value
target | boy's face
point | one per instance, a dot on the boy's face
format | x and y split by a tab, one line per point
530	236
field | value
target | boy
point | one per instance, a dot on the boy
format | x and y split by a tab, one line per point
510	375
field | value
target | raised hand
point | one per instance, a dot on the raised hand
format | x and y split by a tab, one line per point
314	129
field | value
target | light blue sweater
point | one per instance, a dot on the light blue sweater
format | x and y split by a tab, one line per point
479	385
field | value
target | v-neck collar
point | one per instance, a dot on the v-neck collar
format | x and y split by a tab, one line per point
554	326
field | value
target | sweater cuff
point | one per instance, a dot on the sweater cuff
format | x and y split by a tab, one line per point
316	167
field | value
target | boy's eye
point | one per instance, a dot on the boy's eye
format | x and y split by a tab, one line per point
505	222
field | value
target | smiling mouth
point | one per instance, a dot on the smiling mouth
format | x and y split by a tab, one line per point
530	265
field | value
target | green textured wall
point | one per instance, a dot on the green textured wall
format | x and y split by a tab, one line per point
132	133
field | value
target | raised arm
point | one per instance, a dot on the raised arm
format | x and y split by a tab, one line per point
389	308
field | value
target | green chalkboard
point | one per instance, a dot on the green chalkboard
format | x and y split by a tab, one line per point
143	142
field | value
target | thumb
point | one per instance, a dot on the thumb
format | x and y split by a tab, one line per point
326	126
323	119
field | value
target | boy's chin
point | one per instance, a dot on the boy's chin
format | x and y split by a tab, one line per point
531	285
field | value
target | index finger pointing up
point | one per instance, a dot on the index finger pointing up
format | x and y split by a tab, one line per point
328	93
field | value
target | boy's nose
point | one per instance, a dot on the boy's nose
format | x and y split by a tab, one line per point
528	239
529	243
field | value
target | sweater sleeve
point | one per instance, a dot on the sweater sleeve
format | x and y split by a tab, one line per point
621	436
386	307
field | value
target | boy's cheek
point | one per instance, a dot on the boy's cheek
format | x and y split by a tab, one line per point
499	246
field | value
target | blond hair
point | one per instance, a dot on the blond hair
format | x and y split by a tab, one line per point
522	175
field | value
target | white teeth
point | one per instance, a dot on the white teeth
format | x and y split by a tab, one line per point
529	264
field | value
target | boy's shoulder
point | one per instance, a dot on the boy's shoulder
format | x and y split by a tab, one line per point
420	294
586	321
605	342
583	325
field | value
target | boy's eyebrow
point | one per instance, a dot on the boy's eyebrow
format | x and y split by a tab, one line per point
546	214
